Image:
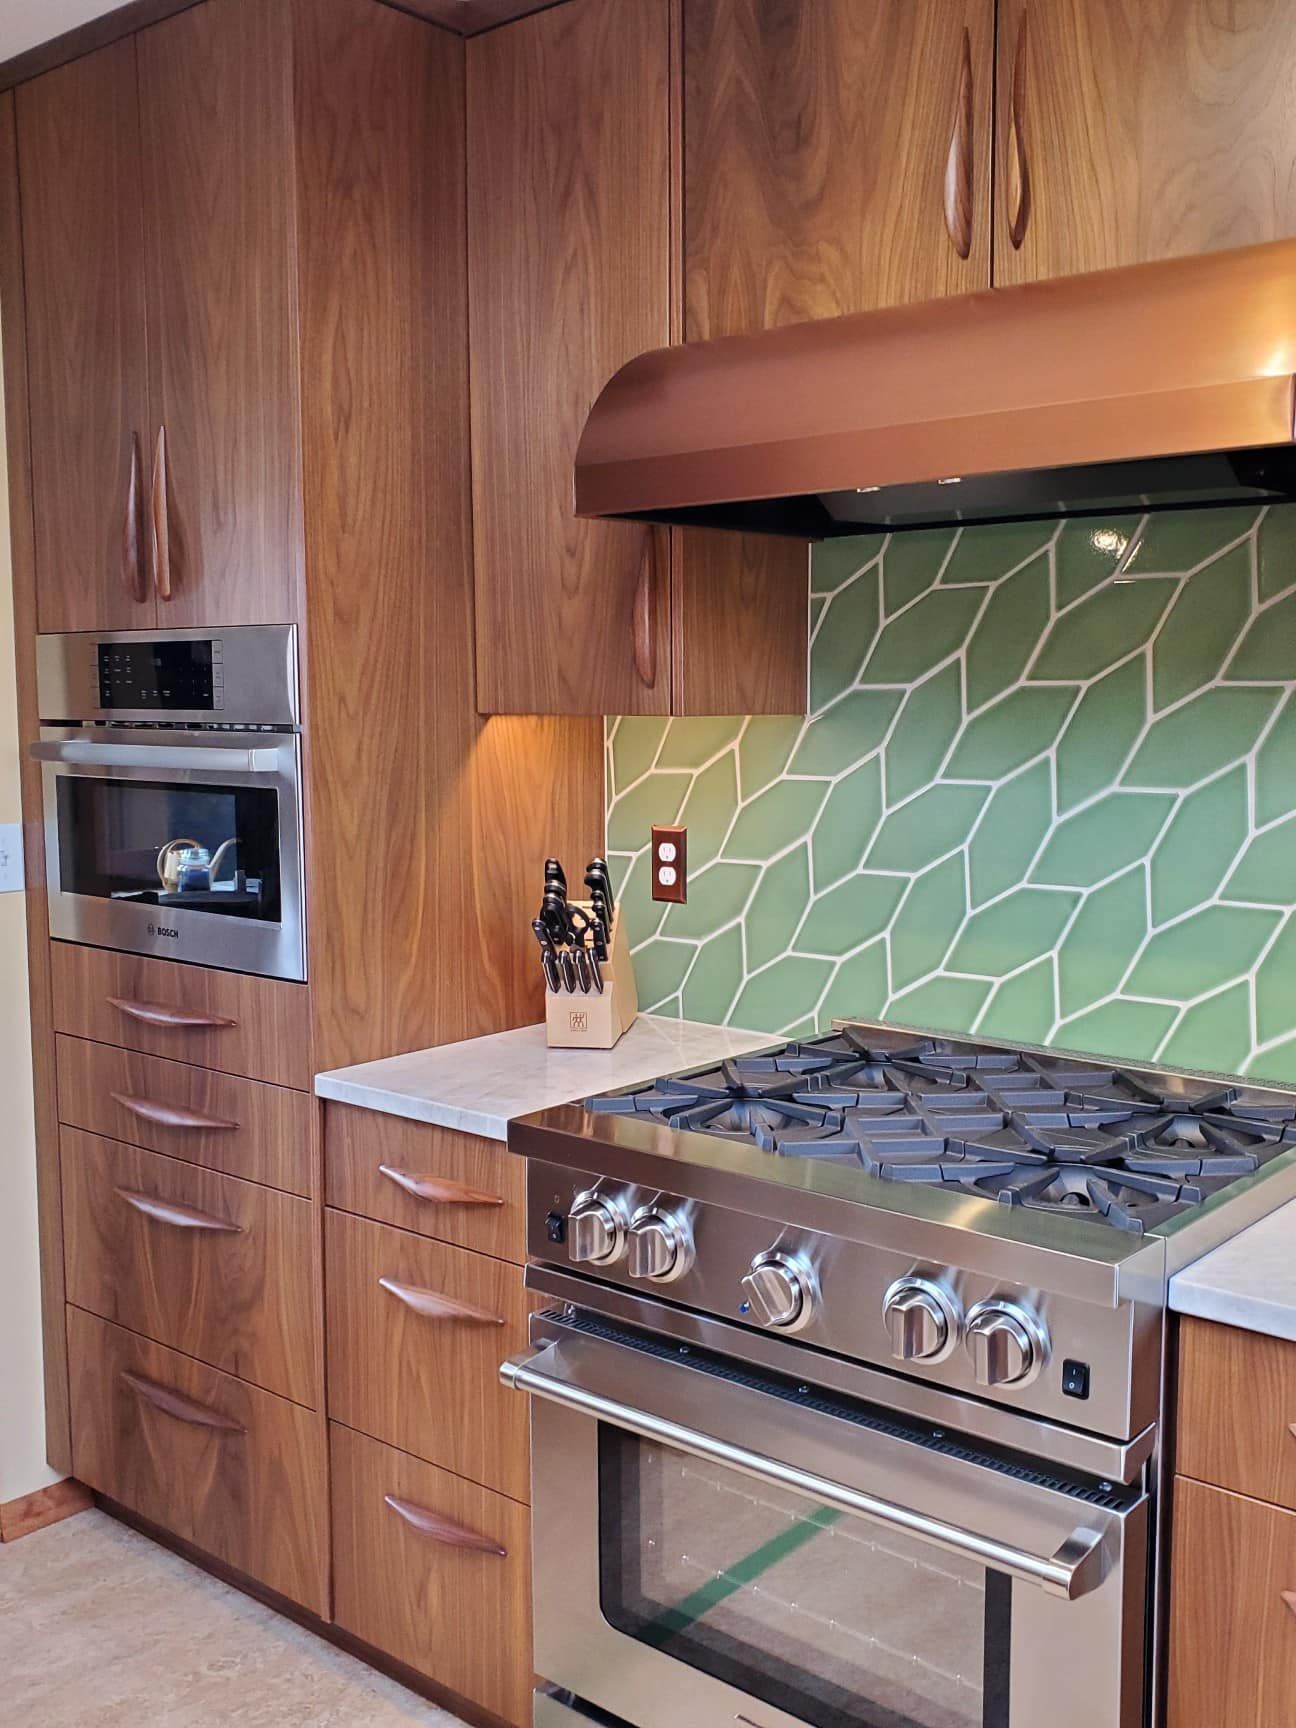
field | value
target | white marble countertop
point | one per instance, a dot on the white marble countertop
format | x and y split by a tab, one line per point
479	1085
1249	1282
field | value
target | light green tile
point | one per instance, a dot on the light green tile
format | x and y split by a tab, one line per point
659	968
1180	540
915	642
845	635
633	748
1193	742
764	751
1278	1064
848	823
716	896
848	915
859	987
942	1004
1088	551
1103	629
642	914
985	554
911	563
1123	1031
1100	734
1276	550
1266	871
1275	991
1214	1034
929	723
775	816
1268	650
777	907
659	799
1016	819
775	998
1005	637
709	808
833	563
1203	952
1275	781
1204	622
1022	1006
713	982
1009	932
1103	838
690	743
925	829
1008	734
928	922
1201	842
1102	941
851	729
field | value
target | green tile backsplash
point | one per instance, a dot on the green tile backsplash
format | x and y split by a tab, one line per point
1047	790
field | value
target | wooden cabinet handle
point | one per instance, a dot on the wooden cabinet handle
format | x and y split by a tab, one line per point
645	642
1289	1597
177	1405
161	537
959	163
181	1217
432	1305
132	541
170	1115
443	1530
159	1014
1019	180
439	1191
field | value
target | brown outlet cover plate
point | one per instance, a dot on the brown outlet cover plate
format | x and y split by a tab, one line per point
670	864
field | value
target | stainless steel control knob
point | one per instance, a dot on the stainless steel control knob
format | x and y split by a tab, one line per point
1008	1344
780	1291
596	1230
660	1246
922	1319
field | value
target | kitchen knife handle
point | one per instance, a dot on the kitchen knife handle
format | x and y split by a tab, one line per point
1019	179
645	643
958	165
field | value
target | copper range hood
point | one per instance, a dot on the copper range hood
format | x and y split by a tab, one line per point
1159	385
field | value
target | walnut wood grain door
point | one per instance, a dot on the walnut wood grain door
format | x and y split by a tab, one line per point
82	221
217	119
1131	130
836	157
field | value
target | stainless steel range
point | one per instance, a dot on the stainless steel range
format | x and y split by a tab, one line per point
847	1404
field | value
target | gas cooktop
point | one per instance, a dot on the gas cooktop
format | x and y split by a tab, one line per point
1047	1132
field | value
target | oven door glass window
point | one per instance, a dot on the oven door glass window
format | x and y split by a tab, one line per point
218	845
837	1622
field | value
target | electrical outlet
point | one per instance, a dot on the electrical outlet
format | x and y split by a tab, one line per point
670	864
11	858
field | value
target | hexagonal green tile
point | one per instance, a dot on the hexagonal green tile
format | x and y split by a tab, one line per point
1194	855
774	817
777	907
1124	1031
1103	838
1204	622
925	829
716	896
1010	732
859	987
941	1004
929	723
1202	952
1182	539
911	563
1022	1006
928	922
1009	932
764	750
847	823
635	744
1275	784
708	809
690	743
659	799
1087	552
1267	650
989	552
659	968
848	732
917	641
1009	833
834	563
848	915
1276	550
1273	986
1099	631
1264	872
1101	942
1214	1034
1100	734
713	982
776	997
1193	742
845	636
1008	630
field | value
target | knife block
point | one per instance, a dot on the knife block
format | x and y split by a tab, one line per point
577	1022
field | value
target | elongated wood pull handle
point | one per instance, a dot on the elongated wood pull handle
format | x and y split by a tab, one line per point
1289	1597
438	1190
132	541
1019	191
159	1014
176	1404
161	538
182	1217
170	1115
432	1305
443	1530
645	641
959	163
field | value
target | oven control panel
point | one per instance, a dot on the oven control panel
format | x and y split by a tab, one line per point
245	676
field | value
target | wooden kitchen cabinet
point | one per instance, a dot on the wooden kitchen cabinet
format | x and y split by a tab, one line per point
1237	1412
1128	132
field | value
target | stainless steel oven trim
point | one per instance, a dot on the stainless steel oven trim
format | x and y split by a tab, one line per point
193	758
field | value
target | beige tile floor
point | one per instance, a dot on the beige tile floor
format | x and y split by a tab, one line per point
99	1626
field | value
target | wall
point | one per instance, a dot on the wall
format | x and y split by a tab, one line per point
22	1423
1047	791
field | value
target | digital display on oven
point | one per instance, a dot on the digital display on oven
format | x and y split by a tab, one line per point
160	675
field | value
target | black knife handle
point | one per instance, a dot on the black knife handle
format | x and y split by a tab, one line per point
581	958
568	970
596	971
554	872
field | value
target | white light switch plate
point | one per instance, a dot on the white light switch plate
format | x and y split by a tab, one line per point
11	858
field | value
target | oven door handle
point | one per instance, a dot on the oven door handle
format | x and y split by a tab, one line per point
82	753
1074	1569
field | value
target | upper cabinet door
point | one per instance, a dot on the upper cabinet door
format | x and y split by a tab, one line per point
216	100
79	165
836	157
1132	130
569	177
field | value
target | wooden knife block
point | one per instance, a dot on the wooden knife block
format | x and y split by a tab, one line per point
577	1022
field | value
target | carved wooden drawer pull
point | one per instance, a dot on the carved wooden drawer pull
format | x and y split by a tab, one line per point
432	1305
438	1190
444	1530
169	1115
1289	1597
132	563
1019	180
176	1404
160	539
159	1014
958	165
182	1217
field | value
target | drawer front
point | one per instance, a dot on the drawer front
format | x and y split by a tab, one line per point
1237	1411
456	1187
1232	1629
259	1027
226	1271
434	1571
416	1334
241	1127
236	1471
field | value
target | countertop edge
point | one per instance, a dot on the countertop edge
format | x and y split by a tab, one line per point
411	1108
1271	1319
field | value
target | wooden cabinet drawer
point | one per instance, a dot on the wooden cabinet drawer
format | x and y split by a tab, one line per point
259	1027
226	1271
416	1334
242	1127
236	1471
434	1571
457	1187
1237	1411
1232	1629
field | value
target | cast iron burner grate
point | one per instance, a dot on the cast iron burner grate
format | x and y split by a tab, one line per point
1044	1132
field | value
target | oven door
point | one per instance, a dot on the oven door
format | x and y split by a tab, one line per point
115	797
715	1546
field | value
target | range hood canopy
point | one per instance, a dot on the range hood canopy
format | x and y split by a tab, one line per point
1151	387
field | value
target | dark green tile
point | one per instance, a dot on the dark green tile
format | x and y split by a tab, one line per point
1100	734
1103	838
911	564
1268	650
848	915
1088	552
1005	637
1204	622
986	553
845	637
1276	550
928	922
833	563
1103	629
1193	742
1198	847
917	641
1178	540
928	725
1008	835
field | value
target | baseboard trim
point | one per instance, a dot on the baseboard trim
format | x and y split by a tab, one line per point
46	1506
